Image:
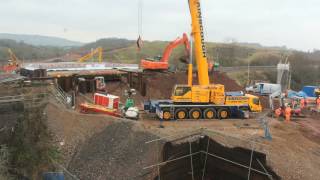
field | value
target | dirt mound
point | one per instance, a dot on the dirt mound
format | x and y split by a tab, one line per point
70	128
160	85
118	152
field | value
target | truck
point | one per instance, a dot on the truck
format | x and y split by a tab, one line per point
264	88
205	100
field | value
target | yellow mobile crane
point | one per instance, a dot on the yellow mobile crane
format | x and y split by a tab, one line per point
91	54
207	101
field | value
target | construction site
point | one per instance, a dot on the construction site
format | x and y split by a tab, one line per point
82	117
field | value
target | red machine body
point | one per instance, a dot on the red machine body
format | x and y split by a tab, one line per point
162	63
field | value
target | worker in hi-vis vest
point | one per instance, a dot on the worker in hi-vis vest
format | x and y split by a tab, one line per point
288	113
302	103
318	103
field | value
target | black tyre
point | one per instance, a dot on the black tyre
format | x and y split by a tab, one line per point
209	113
181	113
167	114
223	113
195	113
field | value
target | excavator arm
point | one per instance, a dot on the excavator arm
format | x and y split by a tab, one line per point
91	54
163	62
184	40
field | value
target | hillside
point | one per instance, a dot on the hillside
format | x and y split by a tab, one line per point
38	40
305	65
28	52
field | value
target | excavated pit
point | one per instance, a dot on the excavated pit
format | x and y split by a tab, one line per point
221	163
123	151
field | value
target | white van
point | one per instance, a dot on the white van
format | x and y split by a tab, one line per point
264	88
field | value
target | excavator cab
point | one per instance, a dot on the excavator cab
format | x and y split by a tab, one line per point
155	59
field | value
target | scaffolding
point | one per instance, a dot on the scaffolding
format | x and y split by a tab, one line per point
222	138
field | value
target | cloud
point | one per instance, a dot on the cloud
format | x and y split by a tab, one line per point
293	23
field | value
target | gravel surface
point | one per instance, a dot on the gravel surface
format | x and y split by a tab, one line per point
118	152
70	129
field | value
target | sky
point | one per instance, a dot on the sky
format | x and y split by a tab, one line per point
291	23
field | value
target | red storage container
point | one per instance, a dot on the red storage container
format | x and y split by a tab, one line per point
109	101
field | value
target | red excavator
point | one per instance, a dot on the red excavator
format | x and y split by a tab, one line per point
161	62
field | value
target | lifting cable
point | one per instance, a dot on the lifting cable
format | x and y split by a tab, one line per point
139	40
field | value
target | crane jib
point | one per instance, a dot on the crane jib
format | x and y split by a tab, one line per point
203	46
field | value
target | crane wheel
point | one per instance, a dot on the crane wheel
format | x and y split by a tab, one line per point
209	113
223	113
166	115
195	113
181	113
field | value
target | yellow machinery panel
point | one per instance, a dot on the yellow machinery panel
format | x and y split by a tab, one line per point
200	94
237	100
217	94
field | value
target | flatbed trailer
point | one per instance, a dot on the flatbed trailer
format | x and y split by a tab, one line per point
93	108
167	110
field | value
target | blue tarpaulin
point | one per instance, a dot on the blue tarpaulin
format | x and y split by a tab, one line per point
309	91
292	94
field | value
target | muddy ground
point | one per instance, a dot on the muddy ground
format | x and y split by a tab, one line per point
160	85
103	147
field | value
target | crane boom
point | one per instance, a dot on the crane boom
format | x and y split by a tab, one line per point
91	54
199	44
205	100
13	57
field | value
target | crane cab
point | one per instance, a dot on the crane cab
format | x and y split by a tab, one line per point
181	93
192	94
254	103
199	94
